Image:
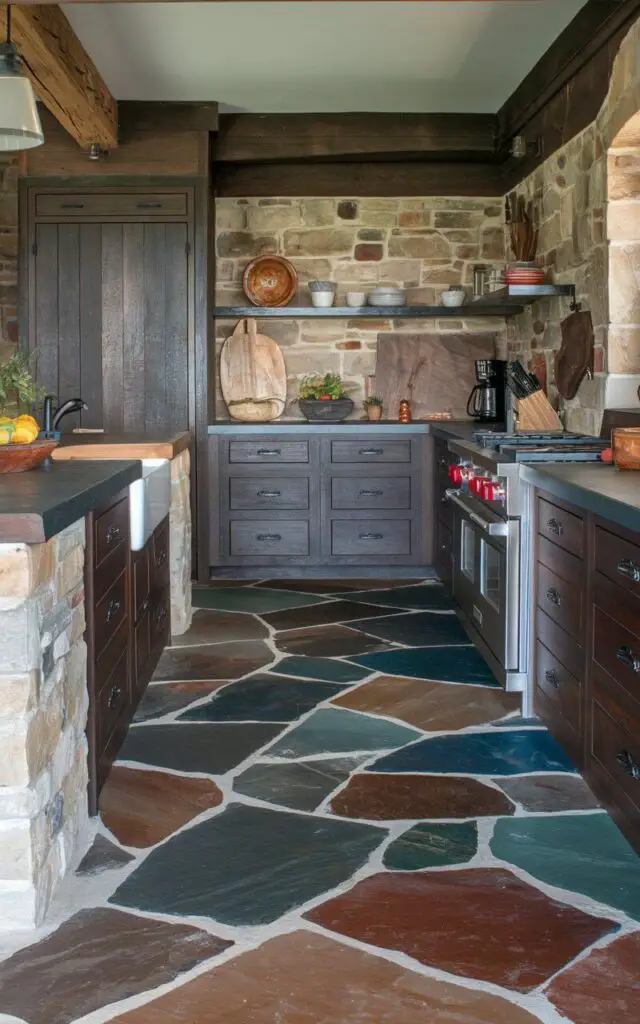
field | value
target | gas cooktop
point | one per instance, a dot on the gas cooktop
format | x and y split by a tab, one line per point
549	447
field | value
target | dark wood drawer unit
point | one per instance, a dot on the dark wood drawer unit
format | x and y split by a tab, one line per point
371	537
371	492
112	715
558	700
110	205
378	450
110	613
111	533
268	492
564	647
443	552
562	527
150	625
617	650
267	538
561	600
268	452
160	556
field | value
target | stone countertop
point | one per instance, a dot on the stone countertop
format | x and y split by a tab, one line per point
140	444
608	492
38	504
439	428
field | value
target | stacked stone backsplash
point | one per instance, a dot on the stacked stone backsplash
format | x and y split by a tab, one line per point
423	245
43	714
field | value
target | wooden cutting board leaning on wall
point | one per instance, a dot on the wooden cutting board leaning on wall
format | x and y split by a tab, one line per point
253	375
436	372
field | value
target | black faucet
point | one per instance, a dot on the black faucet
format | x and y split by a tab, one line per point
51	419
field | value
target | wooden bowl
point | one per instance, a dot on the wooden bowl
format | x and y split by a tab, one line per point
626	447
270	281
17	458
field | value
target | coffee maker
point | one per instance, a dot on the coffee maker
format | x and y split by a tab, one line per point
487	401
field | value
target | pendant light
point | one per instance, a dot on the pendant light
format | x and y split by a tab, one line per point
20	126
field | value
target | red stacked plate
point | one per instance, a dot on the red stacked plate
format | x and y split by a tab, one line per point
524	273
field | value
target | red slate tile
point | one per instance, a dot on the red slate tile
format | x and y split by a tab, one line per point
386	797
478	923
603	987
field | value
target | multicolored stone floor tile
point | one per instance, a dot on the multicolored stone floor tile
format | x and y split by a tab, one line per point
328	810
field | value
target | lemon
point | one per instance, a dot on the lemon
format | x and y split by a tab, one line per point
24	434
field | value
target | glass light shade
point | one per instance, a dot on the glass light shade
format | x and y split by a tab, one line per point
20	126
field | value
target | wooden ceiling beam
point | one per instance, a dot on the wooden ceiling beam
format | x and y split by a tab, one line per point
62	73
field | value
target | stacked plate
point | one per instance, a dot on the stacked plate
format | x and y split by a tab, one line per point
386	296
524	273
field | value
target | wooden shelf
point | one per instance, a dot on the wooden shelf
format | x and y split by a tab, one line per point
369	312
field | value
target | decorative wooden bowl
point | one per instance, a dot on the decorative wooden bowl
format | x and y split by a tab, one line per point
626	447
17	458
270	281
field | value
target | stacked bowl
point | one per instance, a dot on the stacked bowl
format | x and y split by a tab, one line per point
386	296
524	274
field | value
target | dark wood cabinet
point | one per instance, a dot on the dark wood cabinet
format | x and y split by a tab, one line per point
442	511
317	500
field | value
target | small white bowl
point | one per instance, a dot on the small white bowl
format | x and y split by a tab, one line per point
321	300
453	297
356	299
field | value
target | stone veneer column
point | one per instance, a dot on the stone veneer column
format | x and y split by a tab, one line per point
43	713
180	544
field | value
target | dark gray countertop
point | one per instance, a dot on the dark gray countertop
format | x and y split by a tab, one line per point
439	428
38	504
608	492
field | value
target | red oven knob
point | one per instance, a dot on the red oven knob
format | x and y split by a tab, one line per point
477	485
492	491
456	474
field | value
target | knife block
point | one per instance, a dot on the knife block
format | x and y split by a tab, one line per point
537	413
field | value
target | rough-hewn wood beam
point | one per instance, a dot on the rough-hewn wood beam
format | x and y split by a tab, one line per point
63	75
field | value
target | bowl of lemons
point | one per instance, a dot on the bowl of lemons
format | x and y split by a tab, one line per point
21	446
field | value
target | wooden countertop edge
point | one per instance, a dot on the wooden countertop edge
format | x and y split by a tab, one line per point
125	450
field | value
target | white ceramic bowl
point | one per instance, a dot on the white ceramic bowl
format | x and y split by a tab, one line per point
453	298
321	300
356	299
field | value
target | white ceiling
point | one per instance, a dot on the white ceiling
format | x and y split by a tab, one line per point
321	57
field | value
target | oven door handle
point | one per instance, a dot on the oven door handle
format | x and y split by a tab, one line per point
493	529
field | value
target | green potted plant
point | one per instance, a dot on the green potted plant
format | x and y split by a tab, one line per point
373	407
18	389
324	399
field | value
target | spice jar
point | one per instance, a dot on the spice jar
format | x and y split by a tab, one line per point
404	414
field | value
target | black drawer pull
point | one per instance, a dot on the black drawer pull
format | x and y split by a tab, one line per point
161	558
370	494
371	536
555	527
114	696
72	206
628	658
552	677
113	608
149	206
113	534
269	451
268	536
269	494
625	759
630	569
371	451
554	596
144	607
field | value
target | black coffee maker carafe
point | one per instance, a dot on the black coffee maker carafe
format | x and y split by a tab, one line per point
487	400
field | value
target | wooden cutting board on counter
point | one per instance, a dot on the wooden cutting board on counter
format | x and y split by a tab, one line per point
253	375
436	372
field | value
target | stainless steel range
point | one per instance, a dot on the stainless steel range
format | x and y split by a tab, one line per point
492	538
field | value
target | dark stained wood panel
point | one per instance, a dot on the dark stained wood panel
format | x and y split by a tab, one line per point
90	272
69	314
133	340
45	328
178	313
112	326
155	306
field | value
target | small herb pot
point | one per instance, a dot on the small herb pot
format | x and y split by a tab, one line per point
374	412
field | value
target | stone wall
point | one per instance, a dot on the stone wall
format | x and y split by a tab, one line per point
43	713
423	245
180	545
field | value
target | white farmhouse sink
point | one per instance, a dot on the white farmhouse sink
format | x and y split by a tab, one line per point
149	500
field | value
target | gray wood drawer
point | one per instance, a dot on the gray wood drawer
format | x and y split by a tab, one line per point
265	492
110	204
371	451
371	537
268	538
268	452
384	492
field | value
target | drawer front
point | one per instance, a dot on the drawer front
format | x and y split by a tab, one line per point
570	653
618	559
371	537
265	492
142	648
268	452
111	531
112	701
111	656
141	581
159	620
558	699
124	204
561	601
371	492
267	538
160	556
443	556
371	451
562	527
615	751
110	613
562	562
617	650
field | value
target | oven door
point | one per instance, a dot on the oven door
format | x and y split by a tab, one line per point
486	579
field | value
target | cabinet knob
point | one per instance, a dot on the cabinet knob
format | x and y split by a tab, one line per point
113	534
552	678
625	759
161	557
554	596
113	608
114	696
628	658
555	527
630	569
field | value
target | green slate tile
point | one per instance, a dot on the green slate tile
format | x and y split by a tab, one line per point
584	853
330	730
262	698
432	846
425	597
301	786
418	629
210	749
250	599
329	669
441	664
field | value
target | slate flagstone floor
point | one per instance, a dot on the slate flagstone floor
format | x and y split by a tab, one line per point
327	812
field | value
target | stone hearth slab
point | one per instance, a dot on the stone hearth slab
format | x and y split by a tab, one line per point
141	807
331	983
408	797
264	699
103	855
322	668
301	786
421	629
441	664
164	698
248	865
95	958
219	661
603	987
549	793
434	707
202	748
504	752
332	641
429	596
581	852
250	599
330	730
322	615
432	846
213	627
484	923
